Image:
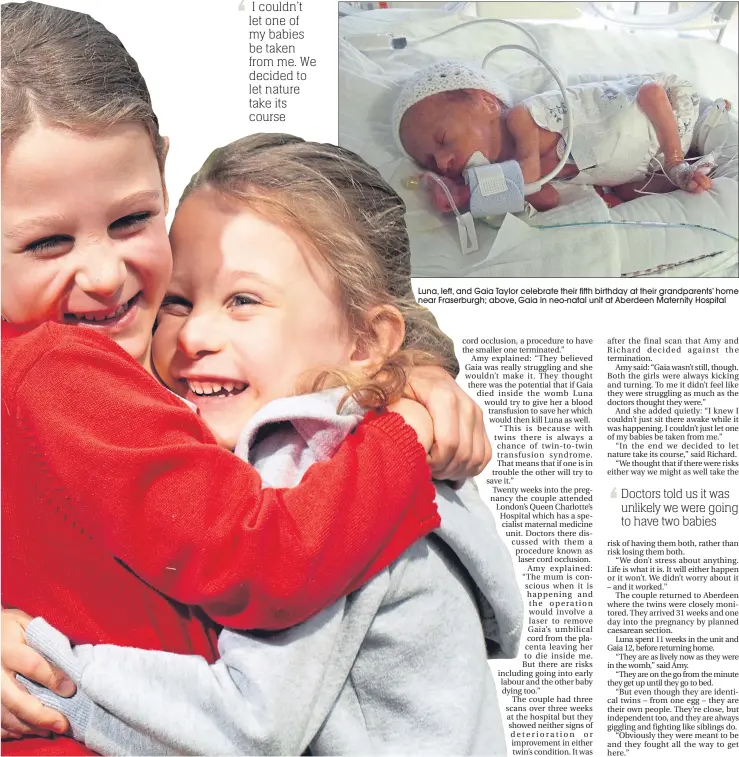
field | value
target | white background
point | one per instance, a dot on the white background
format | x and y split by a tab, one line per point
194	55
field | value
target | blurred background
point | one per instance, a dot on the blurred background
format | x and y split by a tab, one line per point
710	20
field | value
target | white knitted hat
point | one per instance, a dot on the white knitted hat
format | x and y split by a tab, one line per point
443	76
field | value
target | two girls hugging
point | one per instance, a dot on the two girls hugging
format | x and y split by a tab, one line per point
218	503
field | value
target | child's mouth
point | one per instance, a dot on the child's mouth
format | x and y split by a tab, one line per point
104	318
215	388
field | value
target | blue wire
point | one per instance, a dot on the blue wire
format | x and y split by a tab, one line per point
635	223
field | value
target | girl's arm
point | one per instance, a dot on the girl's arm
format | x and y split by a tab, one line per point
145	478
257	699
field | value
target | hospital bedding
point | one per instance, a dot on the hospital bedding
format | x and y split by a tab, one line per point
367	88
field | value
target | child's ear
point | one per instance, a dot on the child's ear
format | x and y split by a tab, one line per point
385	335
163	161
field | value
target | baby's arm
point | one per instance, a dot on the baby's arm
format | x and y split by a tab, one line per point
527	135
655	102
257	699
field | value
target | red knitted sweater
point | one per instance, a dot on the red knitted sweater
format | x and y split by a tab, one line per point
114	494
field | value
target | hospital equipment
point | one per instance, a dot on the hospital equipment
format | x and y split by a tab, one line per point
367	87
498	188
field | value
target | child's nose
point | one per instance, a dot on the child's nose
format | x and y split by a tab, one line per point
199	335
102	272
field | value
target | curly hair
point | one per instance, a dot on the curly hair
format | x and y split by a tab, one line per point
355	221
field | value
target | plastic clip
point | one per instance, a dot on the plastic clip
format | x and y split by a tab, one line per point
467	234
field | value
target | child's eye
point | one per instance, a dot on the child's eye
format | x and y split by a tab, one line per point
175	305
130	221
243	300
52	244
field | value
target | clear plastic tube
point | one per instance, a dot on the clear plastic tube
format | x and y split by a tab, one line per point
422	181
479	21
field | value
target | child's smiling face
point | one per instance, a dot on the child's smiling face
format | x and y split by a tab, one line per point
251	311
84	239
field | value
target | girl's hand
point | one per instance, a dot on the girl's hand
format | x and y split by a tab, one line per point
461	447
23	714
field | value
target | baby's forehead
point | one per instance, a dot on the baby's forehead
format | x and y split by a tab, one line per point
427	112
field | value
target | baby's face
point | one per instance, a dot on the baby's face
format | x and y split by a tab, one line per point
441	132
251	311
84	239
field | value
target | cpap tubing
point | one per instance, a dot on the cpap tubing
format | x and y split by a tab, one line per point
652	224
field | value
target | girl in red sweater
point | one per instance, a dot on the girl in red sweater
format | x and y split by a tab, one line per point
121	514
286	258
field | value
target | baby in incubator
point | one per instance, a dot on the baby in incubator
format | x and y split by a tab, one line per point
632	135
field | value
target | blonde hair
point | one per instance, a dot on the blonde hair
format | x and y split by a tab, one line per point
355	221
65	68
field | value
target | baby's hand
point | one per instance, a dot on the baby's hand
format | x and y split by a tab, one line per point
692	177
545	199
460	193
418	418
611	200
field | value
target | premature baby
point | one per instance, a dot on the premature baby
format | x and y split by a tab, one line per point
623	131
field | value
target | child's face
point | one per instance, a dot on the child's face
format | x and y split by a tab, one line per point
441	132
84	240
250	311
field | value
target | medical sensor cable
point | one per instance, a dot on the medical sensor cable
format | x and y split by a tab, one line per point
658	224
388	42
472	22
